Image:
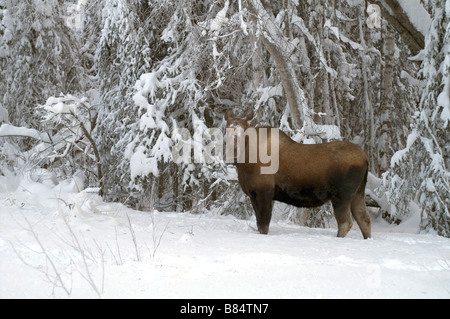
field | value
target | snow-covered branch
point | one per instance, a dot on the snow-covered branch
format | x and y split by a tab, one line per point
70	121
8	130
280	49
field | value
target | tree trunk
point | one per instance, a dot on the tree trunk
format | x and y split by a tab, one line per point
280	49
386	102
257	64
370	122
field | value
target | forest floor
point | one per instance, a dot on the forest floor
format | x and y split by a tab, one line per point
59	243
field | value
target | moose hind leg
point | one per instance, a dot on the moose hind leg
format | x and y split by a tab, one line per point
360	214
343	217
262	204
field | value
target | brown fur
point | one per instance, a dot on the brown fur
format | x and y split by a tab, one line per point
308	176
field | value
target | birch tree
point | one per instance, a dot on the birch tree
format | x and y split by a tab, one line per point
280	49
384	139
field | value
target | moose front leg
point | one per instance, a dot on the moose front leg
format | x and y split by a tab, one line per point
262	204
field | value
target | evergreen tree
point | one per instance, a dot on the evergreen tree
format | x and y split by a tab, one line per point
420	171
38	58
119	59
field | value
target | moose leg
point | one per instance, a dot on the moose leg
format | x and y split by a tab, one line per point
360	214
343	217
262	204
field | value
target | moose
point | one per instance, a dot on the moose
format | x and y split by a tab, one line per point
307	175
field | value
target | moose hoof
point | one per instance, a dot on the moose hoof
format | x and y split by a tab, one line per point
263	230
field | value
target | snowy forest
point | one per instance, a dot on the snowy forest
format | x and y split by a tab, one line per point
103	91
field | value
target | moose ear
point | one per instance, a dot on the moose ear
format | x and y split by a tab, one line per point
229	115
249	116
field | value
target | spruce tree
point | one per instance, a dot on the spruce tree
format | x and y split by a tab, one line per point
420	171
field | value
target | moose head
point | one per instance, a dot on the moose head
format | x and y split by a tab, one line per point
236	130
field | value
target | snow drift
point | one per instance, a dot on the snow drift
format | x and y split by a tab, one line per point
56	242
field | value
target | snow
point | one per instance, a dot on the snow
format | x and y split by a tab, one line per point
142	165
399	155
354	3
52	236
335	30
417	14
328	132
241	19
444	97
11	130
411	80
220	19
354	45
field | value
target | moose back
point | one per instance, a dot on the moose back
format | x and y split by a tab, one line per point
306	175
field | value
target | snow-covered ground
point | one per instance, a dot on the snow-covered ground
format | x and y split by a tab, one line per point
58	243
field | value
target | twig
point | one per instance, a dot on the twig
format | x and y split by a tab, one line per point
57	278
156	241
87	274
133	235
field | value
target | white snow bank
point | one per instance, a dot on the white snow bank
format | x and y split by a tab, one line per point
57	243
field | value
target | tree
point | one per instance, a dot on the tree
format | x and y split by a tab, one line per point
68	122
119	58
38	58
280	49
386	103
420	171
